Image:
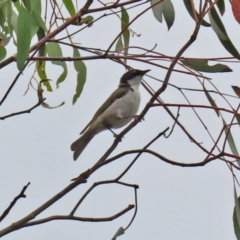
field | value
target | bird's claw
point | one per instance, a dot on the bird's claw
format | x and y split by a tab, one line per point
137	118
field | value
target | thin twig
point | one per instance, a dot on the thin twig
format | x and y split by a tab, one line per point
20	195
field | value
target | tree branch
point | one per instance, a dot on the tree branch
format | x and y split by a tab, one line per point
82	219
20	195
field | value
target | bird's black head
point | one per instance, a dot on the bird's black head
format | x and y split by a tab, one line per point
131	74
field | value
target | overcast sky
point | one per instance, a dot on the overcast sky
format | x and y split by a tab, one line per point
173	202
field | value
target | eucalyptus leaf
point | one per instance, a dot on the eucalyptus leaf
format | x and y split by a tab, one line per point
23	37
3	53
168	13
81	69
157	10
211	101
202	66
54	50
236	215
126	33
230	140
220	30
119	232
119	45
69	6
221	6
187	4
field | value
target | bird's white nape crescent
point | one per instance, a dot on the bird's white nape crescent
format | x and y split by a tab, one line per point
117	111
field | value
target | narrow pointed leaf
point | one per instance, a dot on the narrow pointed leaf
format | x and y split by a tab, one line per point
187	4
38	19
168	13
221	6
13	21
230	140
202	66
81	69
42	74
119	45
157	10
38	6
236	89
126	33
3	53
236	215
54	50
23	37
41	64
69	6
40	35
211	101
119	232
220	30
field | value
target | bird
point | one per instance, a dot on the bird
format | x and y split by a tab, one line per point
117	111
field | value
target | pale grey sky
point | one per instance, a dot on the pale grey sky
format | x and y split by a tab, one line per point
173	202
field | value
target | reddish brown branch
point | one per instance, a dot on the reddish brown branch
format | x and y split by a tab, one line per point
82	219
164	159
95	185
194	106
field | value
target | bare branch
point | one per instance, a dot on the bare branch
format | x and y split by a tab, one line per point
82	219
20	195
21	112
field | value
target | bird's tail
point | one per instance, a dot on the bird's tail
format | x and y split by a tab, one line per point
79	145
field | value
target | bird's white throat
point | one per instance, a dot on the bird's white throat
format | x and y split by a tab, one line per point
135	82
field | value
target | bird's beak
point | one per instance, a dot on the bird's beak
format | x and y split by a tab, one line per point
145	71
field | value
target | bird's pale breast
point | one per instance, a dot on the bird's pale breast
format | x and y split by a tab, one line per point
122	111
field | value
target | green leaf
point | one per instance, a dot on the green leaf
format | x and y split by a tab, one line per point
38	6
40	65
168	13
37	18
126	32
221	6
33	26
23	37
220	30
202	66
40	35
69	6
187	4
212	102
236	215
81	69
3	53
54	50
13	23
119	232
2	18
157	10
29	4
230	140
119	45
18	6
9	12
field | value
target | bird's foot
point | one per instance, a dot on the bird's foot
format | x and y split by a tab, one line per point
137	118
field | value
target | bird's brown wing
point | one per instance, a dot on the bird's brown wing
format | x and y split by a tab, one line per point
120	92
